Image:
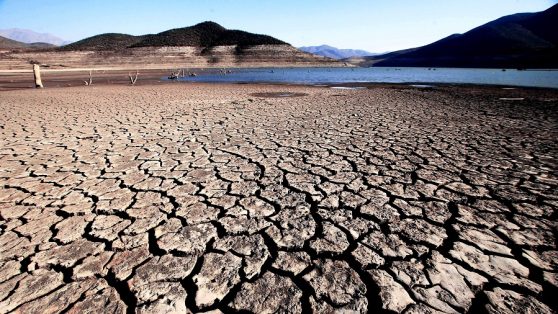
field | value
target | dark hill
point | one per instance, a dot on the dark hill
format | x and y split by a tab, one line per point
110	41
6	43
41	45
206	34
525	40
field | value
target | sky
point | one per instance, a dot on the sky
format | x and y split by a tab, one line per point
373	25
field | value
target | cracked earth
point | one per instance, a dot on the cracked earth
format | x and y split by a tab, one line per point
200	198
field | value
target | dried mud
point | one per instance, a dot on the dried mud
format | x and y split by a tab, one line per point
198	198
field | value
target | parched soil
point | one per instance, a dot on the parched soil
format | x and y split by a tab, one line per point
193	198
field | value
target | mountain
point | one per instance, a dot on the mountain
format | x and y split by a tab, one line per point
206	44
29	36
524	40
368	61
103	42
6	43
335	53
206	34
9	44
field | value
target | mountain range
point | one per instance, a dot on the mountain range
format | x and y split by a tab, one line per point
524	40
336	53
29	36
206	44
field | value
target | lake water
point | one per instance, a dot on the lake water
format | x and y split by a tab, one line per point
315	76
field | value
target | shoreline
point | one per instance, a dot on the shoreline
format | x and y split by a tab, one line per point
59	78
161	68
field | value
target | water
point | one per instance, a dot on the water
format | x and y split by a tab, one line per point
318	76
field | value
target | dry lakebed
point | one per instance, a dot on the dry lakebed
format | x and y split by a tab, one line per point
266	198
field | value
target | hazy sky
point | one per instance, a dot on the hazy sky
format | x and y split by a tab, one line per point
374	25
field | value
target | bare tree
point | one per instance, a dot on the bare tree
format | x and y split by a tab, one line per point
90	82
174	74
133	80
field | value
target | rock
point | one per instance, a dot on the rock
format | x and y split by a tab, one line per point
8	270
336	281
92	265
253	249
296	226
108	227
420	308
507	301
218	275
410	273
269	294
394	296
367	257
30	287
190	239
389	245
484	239
383	213
107	299
123	263
197	213
67	255
502	269
7	287
58	300
161	295
72	228
322	306
436	297
546	260
461	283
142	225
164	268
242	224
14	246
257	207
130	242
421	231
293	262
333	240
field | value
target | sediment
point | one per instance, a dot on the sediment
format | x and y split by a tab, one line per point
198	197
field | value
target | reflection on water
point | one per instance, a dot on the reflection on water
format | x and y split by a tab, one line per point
320	76
345	87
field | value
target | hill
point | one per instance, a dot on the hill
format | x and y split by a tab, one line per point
336	53
9	44
206	34
368	61
207	44
109	41
525	40
29	36
6	43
